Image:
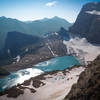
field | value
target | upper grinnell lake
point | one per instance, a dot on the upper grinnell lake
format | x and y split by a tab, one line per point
58	63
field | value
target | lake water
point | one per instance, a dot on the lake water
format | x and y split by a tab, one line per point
58	63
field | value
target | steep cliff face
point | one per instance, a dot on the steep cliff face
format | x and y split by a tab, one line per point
17	43
88	85
63	34
88	23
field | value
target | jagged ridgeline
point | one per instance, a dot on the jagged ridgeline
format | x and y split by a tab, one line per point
38	27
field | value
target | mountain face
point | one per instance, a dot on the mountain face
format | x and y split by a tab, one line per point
38	27
88	23
17	43
88	85
22	50
3	72
63	34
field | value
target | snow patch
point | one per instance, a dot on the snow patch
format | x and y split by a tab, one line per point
93	12
18	58
55	33
82	48
26	49
51	50
8	51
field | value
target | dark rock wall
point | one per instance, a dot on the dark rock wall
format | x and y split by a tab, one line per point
88	25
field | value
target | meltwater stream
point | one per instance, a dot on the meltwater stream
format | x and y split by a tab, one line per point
58	63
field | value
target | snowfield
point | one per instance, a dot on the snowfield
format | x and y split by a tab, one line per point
82	49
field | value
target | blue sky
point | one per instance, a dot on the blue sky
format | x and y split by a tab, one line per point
38	9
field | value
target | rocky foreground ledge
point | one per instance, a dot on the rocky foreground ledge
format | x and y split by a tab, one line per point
49	86
88	85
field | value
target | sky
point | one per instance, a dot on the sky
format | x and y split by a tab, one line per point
26	10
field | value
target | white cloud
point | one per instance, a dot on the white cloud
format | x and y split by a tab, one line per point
50	4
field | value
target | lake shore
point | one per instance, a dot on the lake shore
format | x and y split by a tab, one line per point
54	84
17	66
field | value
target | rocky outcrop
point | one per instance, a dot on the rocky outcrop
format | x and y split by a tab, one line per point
88	85
3	72
88	23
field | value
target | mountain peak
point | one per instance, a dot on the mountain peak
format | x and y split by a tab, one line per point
56	17
46	19
59	19
2	17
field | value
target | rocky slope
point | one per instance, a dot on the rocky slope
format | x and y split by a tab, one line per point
18	44
88	23
24	51
88	85
16	40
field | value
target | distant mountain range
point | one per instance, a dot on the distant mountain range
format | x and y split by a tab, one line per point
38	27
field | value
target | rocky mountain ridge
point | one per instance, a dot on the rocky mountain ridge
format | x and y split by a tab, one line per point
88	23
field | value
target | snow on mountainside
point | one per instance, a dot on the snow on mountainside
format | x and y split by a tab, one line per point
94	12
81	48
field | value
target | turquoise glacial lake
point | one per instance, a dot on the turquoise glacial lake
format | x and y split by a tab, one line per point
58	63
